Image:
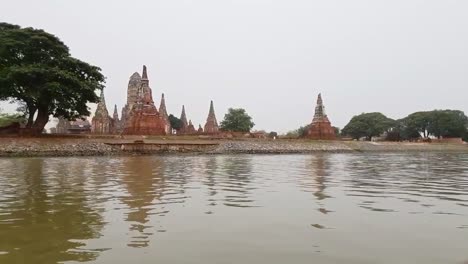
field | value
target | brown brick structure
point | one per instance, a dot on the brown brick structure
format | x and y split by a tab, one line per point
321	128
183	118
101	123
134	85
144	118
211	125
117	127
190	128
164	115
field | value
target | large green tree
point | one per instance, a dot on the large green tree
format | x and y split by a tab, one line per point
237	120
448	123
437	123
416	125
368	125
37	70
176	123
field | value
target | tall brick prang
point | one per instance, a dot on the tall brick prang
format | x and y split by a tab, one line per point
144	118
134	85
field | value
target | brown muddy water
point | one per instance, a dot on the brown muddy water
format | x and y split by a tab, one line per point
321	208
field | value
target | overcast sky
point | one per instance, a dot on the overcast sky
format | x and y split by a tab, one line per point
270	57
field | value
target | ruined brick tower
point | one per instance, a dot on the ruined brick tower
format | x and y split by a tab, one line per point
101	122
117	128
144	118
211	126
321	127
132	95
183	118
164	115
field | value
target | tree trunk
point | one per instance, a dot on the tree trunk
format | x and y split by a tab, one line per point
31	112
40	122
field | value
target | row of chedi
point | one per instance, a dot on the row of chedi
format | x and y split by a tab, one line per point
141	117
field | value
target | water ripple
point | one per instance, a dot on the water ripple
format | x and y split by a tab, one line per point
85	207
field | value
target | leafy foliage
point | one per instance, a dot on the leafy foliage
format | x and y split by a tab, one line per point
237	120
36	69
368	125
302	131
273	134
448	123
337	131
176	123
437	123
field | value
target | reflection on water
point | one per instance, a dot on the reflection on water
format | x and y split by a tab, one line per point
328	208
41	203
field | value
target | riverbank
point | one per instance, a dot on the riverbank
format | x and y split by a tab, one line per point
57	147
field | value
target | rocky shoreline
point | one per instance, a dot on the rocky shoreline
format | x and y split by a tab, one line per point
18	147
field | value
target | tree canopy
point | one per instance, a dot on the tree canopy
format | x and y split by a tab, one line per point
37	70
237	120
368	125
448	123
437	123
176	123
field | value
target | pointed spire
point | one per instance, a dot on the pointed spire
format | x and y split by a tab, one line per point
319	99
101	97
183	117
116	114
211	125
162	107
101	109
319	109
190	122
211	114
144	76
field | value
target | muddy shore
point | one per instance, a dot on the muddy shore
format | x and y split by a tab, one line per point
58	147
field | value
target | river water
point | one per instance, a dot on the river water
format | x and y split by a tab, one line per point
322	208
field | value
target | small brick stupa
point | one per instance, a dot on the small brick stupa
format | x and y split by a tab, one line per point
101	122
321	128
211	126
144	118
183	118
117	124
190	128
164	115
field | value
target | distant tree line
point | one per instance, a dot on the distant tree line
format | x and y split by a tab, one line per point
418	125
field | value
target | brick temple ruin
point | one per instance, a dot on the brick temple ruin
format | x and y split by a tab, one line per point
139	116
142	116
321	128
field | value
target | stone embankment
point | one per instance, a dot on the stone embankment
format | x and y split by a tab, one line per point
54	148
281	147
23	147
